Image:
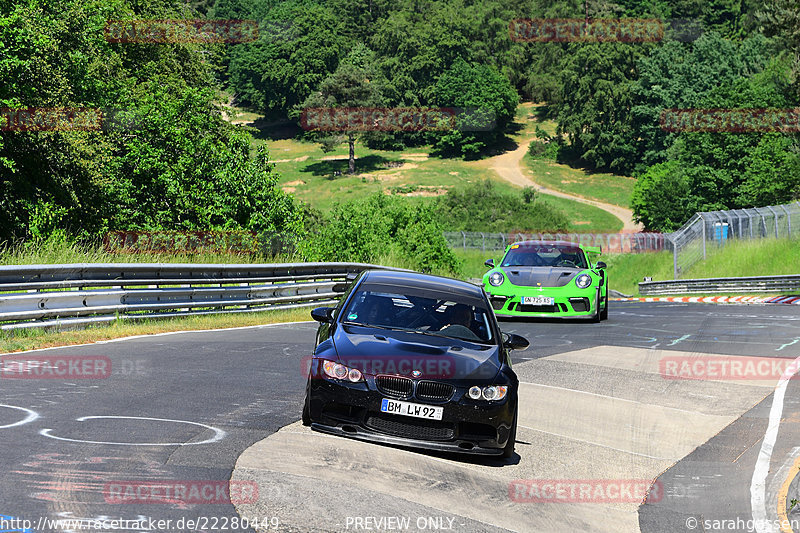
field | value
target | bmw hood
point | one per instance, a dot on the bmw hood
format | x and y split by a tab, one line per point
530	276
376	351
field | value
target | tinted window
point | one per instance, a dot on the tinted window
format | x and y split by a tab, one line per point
545	256
421	312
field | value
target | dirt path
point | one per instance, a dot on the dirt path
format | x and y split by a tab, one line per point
507	166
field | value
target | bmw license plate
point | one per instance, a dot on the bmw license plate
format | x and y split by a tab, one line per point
537	300
411	409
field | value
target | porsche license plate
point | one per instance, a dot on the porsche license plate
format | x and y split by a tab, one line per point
537	300
411	409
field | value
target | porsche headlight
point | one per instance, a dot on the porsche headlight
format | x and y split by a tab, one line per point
496	279
339	371
583	281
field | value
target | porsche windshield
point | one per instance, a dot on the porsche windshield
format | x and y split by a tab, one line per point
545	255
421	312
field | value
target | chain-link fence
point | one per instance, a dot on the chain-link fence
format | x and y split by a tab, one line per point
691	242
608	242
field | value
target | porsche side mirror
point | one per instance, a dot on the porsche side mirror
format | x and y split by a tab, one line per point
489	263
515	342
601	264
322	314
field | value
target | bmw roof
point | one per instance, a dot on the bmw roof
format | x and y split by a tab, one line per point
422	281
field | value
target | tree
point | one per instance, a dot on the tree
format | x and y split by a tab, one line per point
679	75
490	104
353	85
300	49
659	199
171	163
595	104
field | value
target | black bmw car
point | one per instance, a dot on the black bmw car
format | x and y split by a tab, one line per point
414	360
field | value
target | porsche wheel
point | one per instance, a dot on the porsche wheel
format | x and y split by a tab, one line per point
598	316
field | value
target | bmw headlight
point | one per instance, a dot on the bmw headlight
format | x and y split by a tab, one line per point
493	392
496	278
339	371
583	281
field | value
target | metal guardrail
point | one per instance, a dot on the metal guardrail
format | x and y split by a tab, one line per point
790	283
81	294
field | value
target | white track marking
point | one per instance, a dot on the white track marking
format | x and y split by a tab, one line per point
32	415
601	445
615	398
758	485
218	433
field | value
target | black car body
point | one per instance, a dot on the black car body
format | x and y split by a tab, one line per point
401	359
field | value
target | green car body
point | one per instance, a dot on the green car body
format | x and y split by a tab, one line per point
548	279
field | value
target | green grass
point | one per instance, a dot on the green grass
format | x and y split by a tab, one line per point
765	257
625	271
58	252
608	188
585	218
305	174
473	260
528	115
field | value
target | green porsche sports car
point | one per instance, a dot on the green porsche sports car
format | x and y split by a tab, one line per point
553	279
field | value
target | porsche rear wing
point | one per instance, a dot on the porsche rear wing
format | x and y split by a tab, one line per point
592	253
592	250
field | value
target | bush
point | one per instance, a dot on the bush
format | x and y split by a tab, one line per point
543	150
482	207
382	226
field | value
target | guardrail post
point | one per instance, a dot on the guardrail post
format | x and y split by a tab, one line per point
464	240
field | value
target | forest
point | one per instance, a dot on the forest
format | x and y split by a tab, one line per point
165	158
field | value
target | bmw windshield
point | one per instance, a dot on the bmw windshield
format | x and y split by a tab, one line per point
423	312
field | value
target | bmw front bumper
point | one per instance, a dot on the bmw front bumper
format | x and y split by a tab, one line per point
467	426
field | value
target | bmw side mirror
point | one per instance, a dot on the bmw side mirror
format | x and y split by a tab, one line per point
600	264
322	314
515	342
489	263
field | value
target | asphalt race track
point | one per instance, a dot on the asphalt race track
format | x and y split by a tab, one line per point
599	409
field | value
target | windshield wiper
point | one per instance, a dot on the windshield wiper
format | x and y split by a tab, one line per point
349	323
